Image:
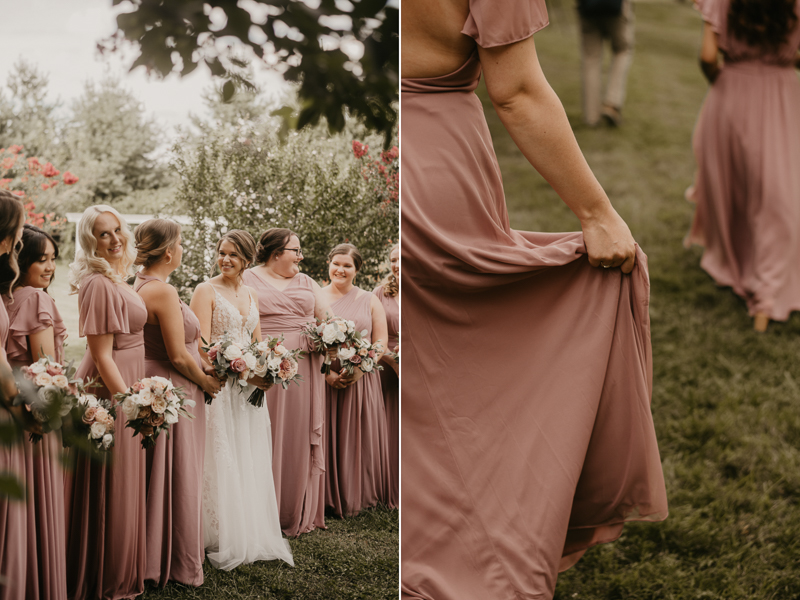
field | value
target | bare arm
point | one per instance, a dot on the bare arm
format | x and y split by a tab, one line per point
163	304
532	113
709	53
322	309
380	335
101	348
42	343
202	304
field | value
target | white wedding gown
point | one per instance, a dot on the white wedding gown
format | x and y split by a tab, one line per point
240	512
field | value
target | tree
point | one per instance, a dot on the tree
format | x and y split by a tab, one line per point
26	116
311	43
110	143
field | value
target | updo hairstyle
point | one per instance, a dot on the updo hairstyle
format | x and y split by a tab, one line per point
272	241
153	239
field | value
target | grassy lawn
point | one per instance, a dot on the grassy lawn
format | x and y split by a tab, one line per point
726	400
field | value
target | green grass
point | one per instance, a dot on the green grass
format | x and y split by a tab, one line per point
68	307
726	400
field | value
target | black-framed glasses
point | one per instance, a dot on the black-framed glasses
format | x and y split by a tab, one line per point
297	251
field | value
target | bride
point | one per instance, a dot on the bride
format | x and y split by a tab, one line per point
240	511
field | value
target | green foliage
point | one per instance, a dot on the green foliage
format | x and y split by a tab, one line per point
306	41
308	184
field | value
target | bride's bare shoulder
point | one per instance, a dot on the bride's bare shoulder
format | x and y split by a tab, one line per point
433	44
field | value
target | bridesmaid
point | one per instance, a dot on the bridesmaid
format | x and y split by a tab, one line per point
357	461
287	300
175	465
37	330
389	295
105	499
13	521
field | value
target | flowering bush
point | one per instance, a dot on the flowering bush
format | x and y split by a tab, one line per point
33	182
312	184
382	173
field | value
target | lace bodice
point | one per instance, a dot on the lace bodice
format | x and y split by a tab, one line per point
227	319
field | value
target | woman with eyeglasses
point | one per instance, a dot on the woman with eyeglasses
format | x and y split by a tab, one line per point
287	300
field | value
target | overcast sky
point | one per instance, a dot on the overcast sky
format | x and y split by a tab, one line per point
60	37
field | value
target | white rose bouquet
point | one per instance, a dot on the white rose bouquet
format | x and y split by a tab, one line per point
93	419
152	405
330	333
230	359
49	390
276	364
359	352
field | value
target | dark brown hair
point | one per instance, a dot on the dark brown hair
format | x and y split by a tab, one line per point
272	240
153	239
762	23
244	244
12	216
34	245
349	250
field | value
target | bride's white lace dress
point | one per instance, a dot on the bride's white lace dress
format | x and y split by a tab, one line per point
240	513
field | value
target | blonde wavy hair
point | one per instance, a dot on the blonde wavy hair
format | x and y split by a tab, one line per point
391	287
86	259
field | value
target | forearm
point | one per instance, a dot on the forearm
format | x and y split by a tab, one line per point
186	365
536	121
110	375
710	70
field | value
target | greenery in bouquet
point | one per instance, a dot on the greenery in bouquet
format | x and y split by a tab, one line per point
276	364
151	406
327	334
93	423
230	359
359	352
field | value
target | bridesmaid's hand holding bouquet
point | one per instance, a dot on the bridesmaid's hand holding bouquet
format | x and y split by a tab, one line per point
329	334
151	406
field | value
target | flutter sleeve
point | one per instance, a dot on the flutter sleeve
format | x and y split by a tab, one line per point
102	309
715	13
36	313
499	22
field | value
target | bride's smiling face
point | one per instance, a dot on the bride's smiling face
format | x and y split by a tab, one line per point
229	261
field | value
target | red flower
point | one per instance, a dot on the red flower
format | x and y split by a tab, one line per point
69	178
359	149
50	171
34	164
15	149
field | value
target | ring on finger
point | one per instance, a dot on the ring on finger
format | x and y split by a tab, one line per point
605	266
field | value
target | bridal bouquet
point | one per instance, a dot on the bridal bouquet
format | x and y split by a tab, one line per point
230	359
49	390
359	352
93	419
327	334
276	364
151	406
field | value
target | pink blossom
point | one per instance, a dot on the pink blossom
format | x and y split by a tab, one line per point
359	149
69	178
212	352
238	365
49	170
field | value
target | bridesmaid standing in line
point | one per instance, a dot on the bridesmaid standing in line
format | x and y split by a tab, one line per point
37	330
175	466
287	300
105	499
13	522
358	461
389	295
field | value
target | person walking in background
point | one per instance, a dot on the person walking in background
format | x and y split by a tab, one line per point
36	330
287	300
747	148
175	464
601	21
105	499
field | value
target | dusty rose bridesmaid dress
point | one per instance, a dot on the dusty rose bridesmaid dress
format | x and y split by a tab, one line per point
13	514
297	413
390	385
526	427
175	467
357	445
105	503
31	311
747	187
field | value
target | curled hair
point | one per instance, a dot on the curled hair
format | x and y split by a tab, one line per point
243	242
12	216
391	287
34	246
348	250
86	259
273	240
153	239
762	23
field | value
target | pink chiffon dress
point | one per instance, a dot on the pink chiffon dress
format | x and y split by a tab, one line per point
390	385
357	444
526	427
33	310
297	413
175	467
14	522
105	500
747	187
